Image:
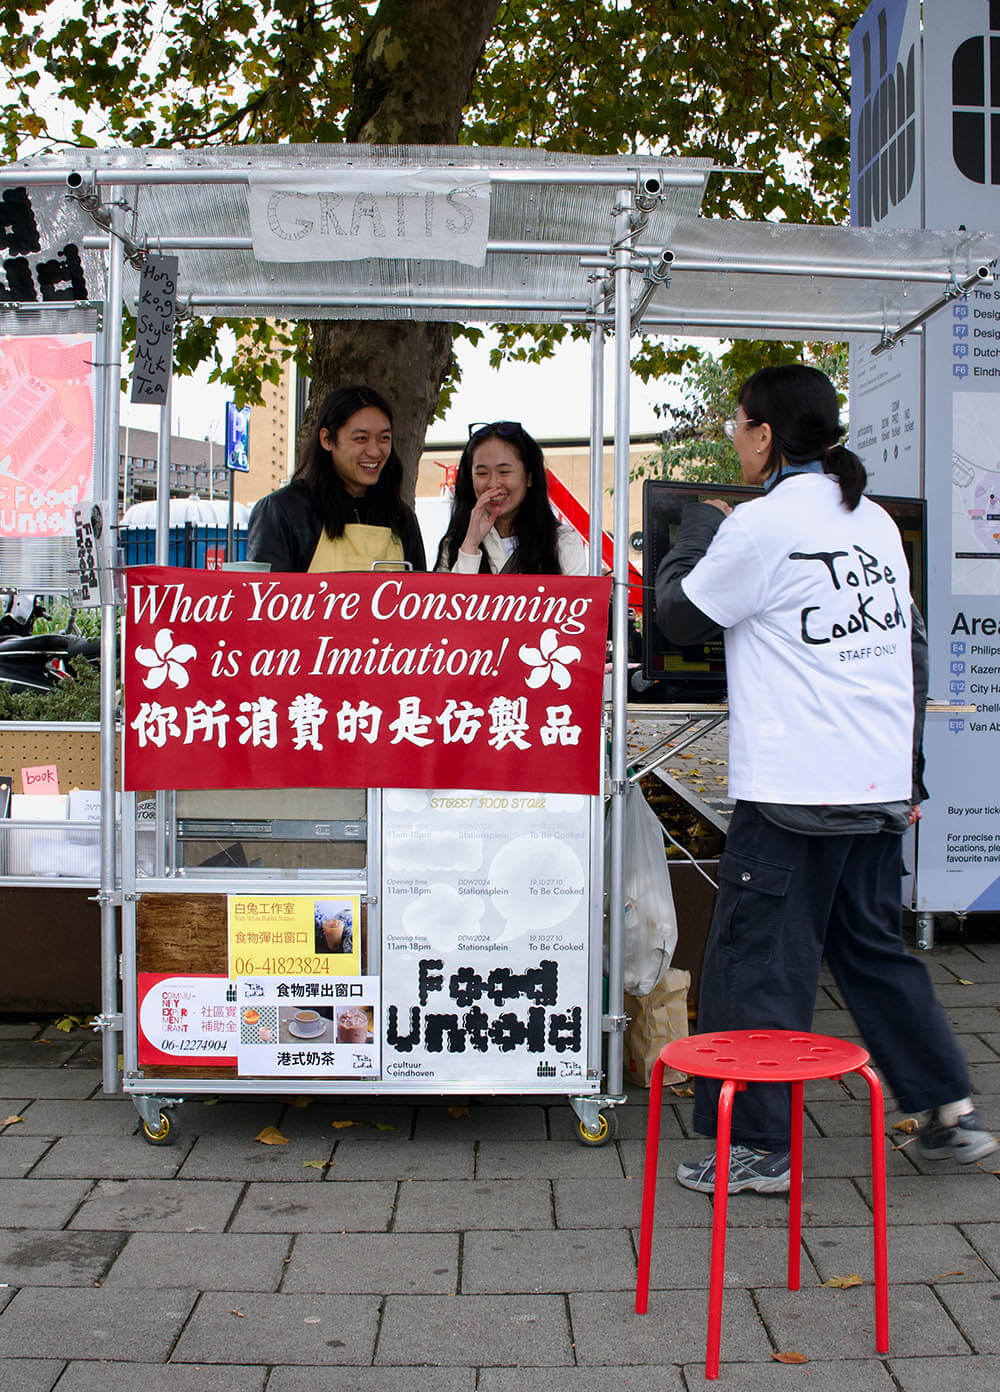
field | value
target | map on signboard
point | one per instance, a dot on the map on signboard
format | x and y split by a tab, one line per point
975	509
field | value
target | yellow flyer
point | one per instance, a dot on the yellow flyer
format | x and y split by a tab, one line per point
294	935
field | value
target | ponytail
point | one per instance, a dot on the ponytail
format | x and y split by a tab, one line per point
849	472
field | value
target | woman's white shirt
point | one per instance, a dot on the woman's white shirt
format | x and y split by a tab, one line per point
815	602
570	550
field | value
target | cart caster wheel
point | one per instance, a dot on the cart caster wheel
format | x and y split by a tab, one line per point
166	1132
607	1130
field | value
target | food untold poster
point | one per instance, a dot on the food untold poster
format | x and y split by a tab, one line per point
46	432
486	938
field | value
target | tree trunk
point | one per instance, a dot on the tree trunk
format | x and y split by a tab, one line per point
412	79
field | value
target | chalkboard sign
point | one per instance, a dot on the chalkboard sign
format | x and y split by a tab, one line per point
156	309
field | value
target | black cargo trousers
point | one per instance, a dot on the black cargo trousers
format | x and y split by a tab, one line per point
785	902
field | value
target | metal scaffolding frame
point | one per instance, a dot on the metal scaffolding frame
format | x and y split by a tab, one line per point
615	243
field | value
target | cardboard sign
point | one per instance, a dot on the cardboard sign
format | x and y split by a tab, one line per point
351	214
156	310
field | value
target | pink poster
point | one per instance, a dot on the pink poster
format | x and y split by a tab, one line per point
46	433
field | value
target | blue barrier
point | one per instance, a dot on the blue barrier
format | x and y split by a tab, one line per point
195	547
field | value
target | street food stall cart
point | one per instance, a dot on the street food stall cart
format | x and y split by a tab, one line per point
312	889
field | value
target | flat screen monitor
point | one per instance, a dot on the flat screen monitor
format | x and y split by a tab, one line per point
698	673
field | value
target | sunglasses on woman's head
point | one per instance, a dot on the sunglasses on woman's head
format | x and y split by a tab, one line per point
502	428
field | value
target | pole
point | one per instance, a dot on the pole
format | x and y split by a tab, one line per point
162	539
230	529
619	629
110	1014
596	446
163	478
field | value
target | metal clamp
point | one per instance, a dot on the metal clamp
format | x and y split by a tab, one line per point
110	1024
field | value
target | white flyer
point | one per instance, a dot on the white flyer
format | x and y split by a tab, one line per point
304	1027
486	938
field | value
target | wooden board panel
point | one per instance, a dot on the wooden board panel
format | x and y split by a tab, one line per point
182	933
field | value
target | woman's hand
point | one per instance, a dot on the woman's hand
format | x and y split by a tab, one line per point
724	508
482	518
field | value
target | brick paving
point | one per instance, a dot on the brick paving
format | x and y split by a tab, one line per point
470	1248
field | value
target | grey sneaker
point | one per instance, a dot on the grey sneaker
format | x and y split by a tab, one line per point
763	1171
966	1141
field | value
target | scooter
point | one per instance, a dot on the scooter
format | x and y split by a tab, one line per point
37	661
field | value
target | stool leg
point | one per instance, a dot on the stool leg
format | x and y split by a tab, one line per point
649	1186
720	1207
879	1221
795	1192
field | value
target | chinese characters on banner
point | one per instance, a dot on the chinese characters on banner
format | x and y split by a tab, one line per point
46	433
363	680
486	938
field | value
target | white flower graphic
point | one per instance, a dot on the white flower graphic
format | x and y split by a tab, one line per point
164	660
549	660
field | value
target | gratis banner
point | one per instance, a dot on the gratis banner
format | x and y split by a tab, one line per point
246	680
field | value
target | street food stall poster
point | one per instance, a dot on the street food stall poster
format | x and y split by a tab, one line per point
242	680
294	935
187	1020
300	1027
485	937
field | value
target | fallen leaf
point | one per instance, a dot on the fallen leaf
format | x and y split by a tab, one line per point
963	982
316	1164
944	1276
298	1101
908	1126
271	1136
682	1091
789	1358
210	1102
238	1313
340	1125
459	1111
844	1282
70	1022
9	1121
384	1126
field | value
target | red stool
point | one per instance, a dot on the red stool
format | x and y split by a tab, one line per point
739	1057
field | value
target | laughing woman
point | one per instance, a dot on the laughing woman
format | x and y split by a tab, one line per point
342	509
501	520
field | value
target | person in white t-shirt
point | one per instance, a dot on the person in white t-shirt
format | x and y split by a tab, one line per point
501	519
826	670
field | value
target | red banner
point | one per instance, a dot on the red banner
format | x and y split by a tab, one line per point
253	680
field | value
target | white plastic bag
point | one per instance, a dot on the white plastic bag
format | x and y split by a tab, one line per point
650	919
